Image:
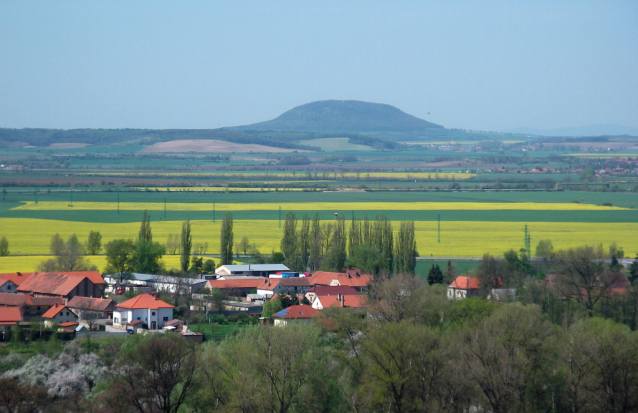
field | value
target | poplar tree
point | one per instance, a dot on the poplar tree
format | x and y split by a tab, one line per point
289	241
406	250
316	243
354	236
145	228
303	243
226	241
187	244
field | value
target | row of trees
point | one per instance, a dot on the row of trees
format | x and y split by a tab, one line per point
412	351
329	246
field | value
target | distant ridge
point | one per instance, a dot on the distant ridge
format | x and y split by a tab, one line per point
591	130
345	116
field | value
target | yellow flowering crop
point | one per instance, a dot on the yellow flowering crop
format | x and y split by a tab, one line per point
317	206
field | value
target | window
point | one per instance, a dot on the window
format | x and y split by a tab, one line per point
138	318
165	318
153	313
67	313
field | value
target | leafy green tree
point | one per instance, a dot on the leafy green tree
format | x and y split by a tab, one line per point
244	245
94	243
633	271
366	258
450	273
276	258
226	240
271	307
303	243
197	265
435	275
217	299
209	266
4	247
186	244
148	256
119	258
545	249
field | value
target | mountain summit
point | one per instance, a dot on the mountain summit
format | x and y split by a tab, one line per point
344	116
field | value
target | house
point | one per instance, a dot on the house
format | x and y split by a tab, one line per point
356	279
91	308
463	287
159	282
294	313
283	286
16	279
319	290
9	318
7	286
149	310
68	327
240	287
59	314
29	306
253	270
502	295
63	284
174	324
339	300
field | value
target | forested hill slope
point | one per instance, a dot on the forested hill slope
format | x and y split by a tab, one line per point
345	116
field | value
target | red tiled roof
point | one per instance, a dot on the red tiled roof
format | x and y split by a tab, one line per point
466	283
294	282
53	311
145	301
88	303
34	301
94	276
354	301
241	283
320	290
9	299
10	315
51	283
269	284
173	322
132	323
68	324
351	278
296	312
16	277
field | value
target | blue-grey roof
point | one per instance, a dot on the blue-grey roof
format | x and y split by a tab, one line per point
255	267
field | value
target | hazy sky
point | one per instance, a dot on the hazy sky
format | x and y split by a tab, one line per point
488	65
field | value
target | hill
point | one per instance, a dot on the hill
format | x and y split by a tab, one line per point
345	116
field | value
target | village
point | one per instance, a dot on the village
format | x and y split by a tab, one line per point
74	304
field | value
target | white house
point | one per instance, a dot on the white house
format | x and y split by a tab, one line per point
59	314
149	310
463	287
159	282
254	270
283	286
295	314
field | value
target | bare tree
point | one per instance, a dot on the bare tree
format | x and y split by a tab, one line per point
583	275
158	375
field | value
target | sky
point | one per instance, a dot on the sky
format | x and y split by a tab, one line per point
478	65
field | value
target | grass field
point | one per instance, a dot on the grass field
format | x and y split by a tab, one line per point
228	175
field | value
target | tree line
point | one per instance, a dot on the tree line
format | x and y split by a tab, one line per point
330	246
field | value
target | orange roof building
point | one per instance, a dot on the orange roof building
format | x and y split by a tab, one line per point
295	313
352	278
463	287
59	314
339	300
9	318
146	308
15	277
63	284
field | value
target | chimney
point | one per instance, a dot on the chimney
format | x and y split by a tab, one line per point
343	301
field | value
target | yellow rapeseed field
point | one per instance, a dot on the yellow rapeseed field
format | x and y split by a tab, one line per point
30	263
214	189
458	238
316	206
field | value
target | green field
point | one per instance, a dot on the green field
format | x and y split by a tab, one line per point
336	145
